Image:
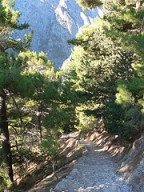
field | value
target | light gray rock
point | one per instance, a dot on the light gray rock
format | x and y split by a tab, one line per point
54	22
134	161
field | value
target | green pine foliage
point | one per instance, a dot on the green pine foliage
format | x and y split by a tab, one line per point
98	67
28	89
89	3
103	83
107	64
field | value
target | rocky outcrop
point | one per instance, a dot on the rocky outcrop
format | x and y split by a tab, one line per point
132	165
53	22
129	157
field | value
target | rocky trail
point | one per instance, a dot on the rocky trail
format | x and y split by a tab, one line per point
94	171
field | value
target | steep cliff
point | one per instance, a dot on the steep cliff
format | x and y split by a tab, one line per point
53	22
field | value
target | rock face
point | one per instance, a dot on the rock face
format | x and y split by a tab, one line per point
53	22
132	165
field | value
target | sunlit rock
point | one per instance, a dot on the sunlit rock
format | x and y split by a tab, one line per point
53	22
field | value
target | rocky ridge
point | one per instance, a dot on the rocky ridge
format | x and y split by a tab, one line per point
54	22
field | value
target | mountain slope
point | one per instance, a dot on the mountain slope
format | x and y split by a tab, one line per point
53	22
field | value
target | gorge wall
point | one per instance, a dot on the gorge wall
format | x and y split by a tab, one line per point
54	22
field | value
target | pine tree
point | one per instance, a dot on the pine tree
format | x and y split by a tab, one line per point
89	3
110	52
17	78
127	23
8	21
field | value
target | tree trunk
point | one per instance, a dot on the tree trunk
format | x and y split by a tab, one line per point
39	122
138	4
5	136
54	171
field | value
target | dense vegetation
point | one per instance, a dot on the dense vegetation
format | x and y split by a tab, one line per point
102	84
108	67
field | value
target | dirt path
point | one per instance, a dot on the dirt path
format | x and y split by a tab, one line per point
95	171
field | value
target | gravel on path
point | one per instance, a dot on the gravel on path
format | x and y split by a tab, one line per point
94	172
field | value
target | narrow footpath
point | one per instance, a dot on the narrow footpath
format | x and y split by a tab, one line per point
94	172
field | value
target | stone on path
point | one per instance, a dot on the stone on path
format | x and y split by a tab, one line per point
95	171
